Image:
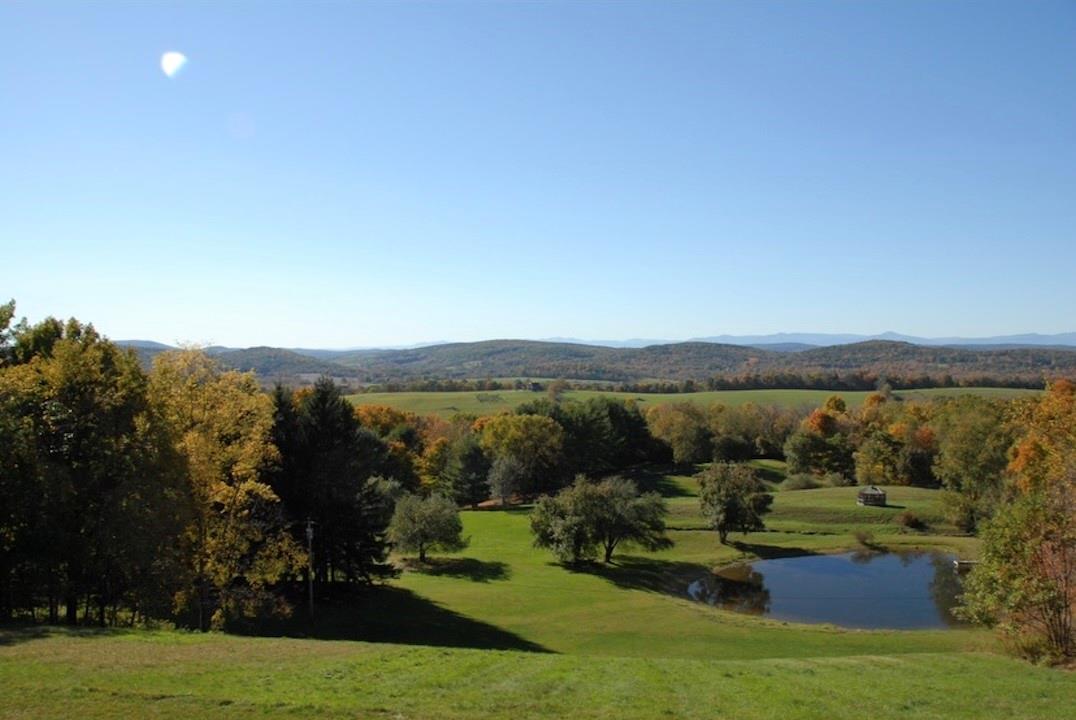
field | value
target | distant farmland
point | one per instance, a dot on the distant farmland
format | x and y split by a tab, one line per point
447	404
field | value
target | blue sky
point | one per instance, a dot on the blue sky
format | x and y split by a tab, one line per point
386	173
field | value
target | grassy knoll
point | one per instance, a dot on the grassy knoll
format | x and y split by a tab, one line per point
447	404
501	630
171	675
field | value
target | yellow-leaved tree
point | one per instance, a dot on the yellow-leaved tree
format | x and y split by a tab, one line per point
531	443
238	548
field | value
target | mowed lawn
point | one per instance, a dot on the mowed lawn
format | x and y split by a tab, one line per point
173	675
617	641
446	404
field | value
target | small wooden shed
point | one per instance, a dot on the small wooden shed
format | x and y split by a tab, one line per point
871	495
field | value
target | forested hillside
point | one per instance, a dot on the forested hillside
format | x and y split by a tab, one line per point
700	362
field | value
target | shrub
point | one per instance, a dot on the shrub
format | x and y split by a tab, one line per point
908	519
800	481
864	537
837	480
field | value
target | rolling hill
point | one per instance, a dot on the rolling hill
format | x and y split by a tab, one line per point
674	362
267	363
701	360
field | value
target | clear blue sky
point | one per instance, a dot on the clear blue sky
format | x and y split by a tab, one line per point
385	173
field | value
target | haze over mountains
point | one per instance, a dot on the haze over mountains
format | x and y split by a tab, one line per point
1018	358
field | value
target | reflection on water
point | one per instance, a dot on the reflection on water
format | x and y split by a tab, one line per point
859	589
738	588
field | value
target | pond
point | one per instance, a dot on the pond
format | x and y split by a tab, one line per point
900	590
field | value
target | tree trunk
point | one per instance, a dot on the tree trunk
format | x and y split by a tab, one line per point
7	604
71	610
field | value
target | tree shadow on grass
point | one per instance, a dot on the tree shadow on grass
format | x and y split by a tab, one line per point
655	478
16	634
770	475
668	577
390	615
464	568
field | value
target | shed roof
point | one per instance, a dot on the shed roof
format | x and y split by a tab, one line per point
872	490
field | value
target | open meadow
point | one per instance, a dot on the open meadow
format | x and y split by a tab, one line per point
447	404
502	630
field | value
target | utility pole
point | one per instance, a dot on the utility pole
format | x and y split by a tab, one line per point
310	560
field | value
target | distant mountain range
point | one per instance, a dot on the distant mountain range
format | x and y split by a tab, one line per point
794	342
1002	358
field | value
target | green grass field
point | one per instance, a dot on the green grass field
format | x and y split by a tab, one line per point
501	630
447	404
169	675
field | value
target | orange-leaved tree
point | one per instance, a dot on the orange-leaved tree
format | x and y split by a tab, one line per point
1026	582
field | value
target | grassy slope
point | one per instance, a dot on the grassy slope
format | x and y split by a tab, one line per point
637	607
447	404
622	641
179	676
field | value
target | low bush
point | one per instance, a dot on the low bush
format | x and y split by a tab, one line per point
908	519
801	481
837	480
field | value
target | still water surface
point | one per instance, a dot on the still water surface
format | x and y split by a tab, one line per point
903	590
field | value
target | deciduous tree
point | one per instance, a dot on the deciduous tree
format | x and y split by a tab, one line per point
733	499
535	442
683	427
592	517
238	548
422	524
94	497
974	436
1026	581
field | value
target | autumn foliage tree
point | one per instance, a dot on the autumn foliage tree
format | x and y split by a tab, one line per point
533	442
1026	582
822	444
237	546
684	429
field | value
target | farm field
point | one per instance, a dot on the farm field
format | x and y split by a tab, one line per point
446	404
501	630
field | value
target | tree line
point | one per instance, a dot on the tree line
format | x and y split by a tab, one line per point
186	491
854	381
